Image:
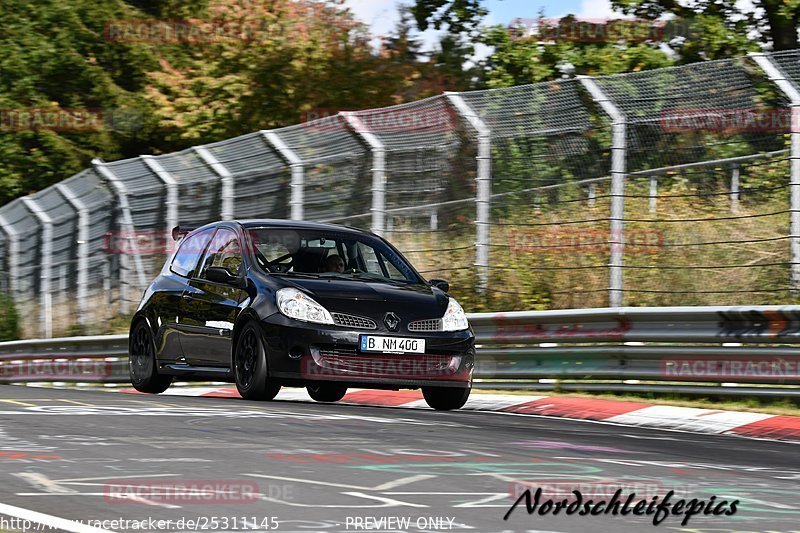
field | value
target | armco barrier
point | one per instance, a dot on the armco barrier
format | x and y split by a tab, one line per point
687	349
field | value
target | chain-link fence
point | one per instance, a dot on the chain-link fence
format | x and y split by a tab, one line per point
676	186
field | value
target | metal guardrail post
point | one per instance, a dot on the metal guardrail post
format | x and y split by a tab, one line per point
125	222
378	171
172	216
83	252
483	197
298	173
226	181
788	88
46	266
618	170
13	256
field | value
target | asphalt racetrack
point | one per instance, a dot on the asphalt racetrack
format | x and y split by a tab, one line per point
223	464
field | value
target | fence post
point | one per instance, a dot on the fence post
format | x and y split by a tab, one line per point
378	171
226	181
83	251
126	223
483	199
13	256
788	88
618	170
735	169
298	173
653	193
46	266
172	217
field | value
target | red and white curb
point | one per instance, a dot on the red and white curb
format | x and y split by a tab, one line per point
755	425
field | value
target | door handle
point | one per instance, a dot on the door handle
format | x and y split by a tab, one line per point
188	297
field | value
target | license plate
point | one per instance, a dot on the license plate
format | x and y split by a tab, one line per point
372	343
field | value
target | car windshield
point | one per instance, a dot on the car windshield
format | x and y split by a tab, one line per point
328	254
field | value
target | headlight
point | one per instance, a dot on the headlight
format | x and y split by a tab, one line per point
454	318
300	306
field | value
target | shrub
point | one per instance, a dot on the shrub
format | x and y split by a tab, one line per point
9	320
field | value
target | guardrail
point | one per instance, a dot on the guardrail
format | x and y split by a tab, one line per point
750	351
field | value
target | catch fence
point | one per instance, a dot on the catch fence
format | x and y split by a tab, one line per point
675	186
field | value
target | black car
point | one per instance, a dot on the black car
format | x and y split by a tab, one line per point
272	303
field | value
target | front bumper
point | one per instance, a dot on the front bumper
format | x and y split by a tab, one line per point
315	352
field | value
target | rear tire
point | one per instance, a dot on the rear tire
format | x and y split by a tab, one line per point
250	366
445	398
142	362
326	392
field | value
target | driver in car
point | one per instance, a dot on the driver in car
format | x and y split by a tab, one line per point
334	263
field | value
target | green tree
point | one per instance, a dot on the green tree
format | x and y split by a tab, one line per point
724	23
56	57
518	60
303	55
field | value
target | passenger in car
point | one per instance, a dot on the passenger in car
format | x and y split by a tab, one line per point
334	263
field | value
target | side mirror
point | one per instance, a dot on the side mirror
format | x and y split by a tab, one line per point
221	275
441	284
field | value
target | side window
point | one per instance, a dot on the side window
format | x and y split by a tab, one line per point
370	259
394	273
224	252
185	260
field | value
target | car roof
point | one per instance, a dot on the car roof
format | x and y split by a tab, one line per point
291	224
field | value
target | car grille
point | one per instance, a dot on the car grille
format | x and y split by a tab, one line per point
350	321
434	324
347	361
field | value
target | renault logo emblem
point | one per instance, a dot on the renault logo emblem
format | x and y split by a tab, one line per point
392	321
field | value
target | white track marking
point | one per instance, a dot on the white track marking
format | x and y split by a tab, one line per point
385	486
688	418
53	522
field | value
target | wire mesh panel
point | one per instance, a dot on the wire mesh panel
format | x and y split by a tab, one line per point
336	181
146	193
550	209
198	187
687	243
260	176
147	197
64	226
789	64
430	185
104	244
28	238
695	242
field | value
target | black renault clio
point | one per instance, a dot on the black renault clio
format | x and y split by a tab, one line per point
270	303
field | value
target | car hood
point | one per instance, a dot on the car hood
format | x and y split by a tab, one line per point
373	298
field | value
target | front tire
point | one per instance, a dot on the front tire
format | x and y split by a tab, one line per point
326	392
142	362
445	398
250	366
